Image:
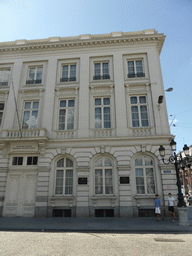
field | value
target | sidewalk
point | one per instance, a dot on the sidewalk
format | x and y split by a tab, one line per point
134	225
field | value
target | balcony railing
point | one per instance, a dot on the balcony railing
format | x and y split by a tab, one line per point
102	133
68	79
30	133
141	131
65	134
39	81
101	77
139	74
3	83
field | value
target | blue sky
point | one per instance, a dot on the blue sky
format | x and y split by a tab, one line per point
32	19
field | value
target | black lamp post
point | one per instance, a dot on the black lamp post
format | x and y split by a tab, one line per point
177	161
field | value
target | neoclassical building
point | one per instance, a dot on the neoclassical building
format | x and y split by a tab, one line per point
80	126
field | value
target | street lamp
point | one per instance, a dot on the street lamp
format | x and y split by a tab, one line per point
177	161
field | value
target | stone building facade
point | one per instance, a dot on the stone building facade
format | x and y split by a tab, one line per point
80	126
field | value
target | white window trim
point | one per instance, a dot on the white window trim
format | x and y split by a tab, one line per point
135	57
103	176
25	71
102	112
138	105
3	111
4	67
104	59
28	78
24	161
64	169
31	100
133	177
67	62
67	99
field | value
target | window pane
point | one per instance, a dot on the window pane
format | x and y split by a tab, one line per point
98	190
60	163
98	162
139	180
39	73
98	101
73	71
97	69
31	73
65	72
139	172
6	75
142	99
35	113
105	68
69	163
108	190
107	162
98	118
58	190
106	101
62	103
140	190
27	105
133	100
98	173
151	190
139	66
135	116
1	106
69	173
148	161
70	119
35	105
71	103
149	172
138	161
131	69
59	182
1	76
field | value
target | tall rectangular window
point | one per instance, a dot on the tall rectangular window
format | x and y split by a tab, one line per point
102	113
101	71
35	75
66	114
30	116
135	68
68	73
4	76
2	105
139	111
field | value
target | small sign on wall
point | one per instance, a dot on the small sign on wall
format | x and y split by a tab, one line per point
167	171
124	180
82	181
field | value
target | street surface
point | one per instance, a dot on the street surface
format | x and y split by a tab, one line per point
86	244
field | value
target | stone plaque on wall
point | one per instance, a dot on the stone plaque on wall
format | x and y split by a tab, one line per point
24	147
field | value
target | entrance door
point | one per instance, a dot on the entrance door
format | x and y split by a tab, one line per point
20	194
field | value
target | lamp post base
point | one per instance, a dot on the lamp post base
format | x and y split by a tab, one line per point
183	217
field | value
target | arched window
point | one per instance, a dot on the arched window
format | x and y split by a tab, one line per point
144	170
103	176
64	177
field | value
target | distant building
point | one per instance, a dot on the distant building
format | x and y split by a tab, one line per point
90	126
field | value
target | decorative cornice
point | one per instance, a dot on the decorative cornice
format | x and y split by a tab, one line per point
114	38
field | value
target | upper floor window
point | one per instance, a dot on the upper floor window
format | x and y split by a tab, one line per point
103	176
2	105
135	68
17	160
102	113
66	114
4	76
139	111
101	71
30	116
64	177
68	73
35	75
32	160
145	183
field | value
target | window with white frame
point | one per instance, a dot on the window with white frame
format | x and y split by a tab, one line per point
35	75
2	105
102	108
135	68
103	176
4	76
64	177
68	73
139	111
30	116
17	160
144	171
101	71
66	114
